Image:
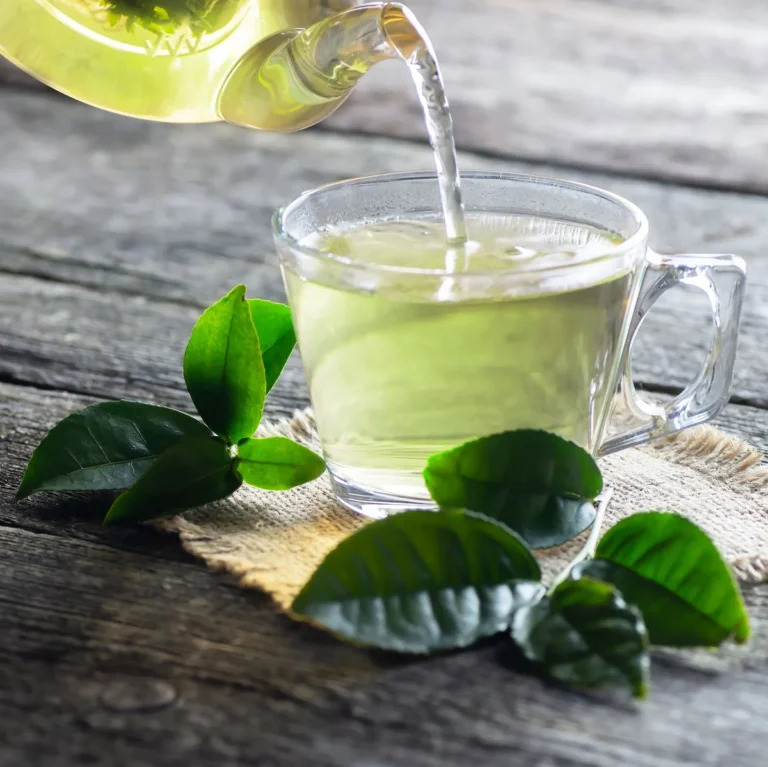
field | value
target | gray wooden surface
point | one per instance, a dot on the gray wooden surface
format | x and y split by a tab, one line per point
118	649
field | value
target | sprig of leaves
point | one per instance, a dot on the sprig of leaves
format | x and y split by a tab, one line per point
168	460
414	586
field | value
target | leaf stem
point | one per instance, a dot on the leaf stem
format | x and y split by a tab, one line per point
587	551
594	534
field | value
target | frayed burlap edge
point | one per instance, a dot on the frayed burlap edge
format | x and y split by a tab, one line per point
726	458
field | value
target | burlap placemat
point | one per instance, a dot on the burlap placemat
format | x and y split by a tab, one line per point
274	541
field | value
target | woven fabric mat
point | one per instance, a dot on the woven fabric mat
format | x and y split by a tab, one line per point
274	541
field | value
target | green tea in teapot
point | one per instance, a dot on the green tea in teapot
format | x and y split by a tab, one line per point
176	60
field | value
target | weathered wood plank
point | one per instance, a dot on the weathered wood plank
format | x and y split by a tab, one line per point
158	663
104	344
114	233
671	89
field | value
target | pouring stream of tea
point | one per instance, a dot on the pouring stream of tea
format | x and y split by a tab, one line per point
413	45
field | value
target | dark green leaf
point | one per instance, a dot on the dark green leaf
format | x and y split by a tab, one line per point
671	570
274	326
538	484
421	581
194	472
585	635
277	463
105	446
223	368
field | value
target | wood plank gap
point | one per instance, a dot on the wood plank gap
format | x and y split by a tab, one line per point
556	165
10	378
118	540
36	275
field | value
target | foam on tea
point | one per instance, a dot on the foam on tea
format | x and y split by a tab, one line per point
401	368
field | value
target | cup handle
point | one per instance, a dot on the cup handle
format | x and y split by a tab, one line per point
722	279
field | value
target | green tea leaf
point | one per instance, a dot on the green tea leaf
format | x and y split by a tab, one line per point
105	446
194	472
277	463
585	635
277	337
223	368
421	581
671	570
538	484
165	16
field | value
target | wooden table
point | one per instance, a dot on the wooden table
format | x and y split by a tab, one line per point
118	649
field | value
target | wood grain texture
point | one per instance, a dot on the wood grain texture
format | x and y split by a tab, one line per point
130	661
103	675
119	650
670	89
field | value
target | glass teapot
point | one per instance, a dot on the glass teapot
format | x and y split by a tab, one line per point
278	65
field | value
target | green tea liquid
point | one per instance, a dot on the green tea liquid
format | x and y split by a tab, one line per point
397	372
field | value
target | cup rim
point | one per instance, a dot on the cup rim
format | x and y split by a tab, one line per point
282	236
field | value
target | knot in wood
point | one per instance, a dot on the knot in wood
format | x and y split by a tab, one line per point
138	695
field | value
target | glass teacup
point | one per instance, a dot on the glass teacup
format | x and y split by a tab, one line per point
407	356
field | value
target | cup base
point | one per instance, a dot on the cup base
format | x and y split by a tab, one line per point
373	503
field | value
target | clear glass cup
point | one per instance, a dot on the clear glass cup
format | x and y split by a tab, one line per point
403	362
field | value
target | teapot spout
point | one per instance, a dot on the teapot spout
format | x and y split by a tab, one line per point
296	78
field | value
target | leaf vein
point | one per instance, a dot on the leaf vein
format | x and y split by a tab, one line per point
96	441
